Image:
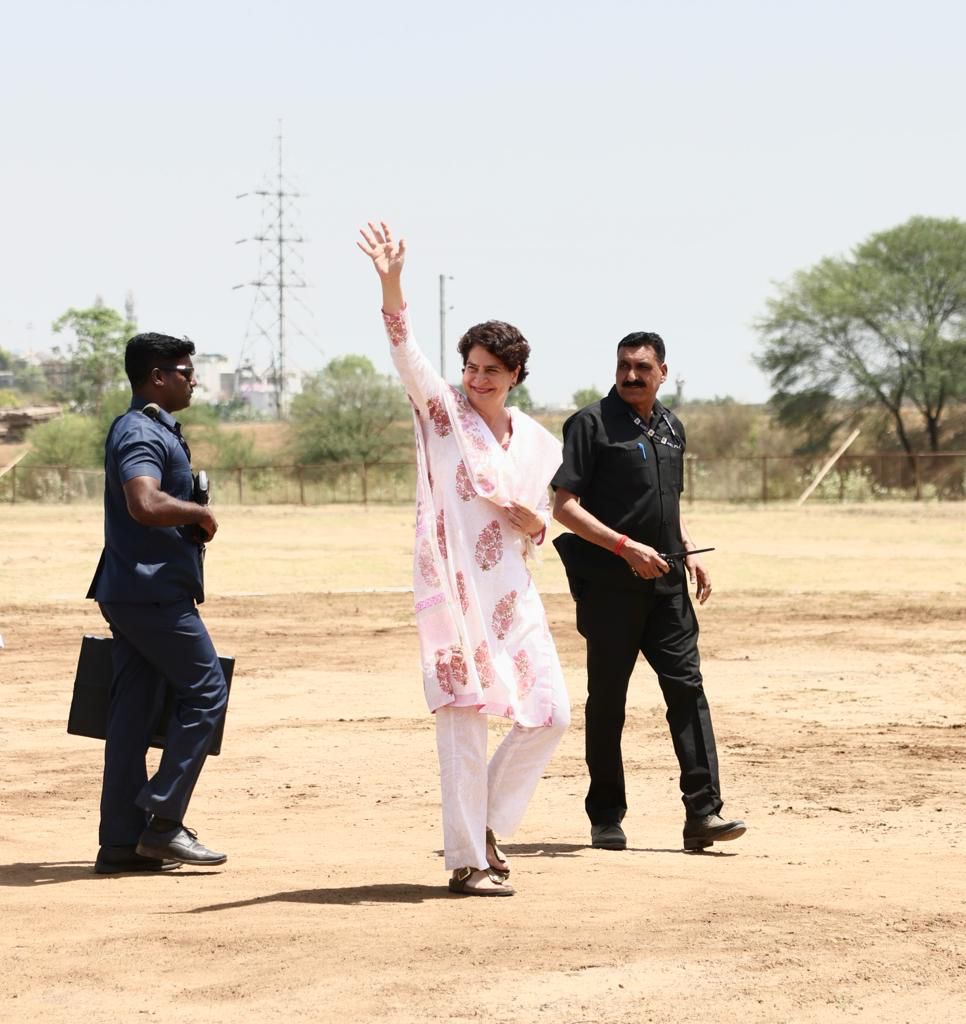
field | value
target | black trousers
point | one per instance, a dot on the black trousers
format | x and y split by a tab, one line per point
150	639
617	625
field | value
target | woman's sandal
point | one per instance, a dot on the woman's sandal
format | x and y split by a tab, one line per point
474	882
494	855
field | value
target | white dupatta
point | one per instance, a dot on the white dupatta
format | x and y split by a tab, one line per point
483	635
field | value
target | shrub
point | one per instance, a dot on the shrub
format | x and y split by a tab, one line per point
73	440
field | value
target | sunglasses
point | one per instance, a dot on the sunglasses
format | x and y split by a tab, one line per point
186	371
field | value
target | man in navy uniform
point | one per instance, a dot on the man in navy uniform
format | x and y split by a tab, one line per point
148	585
618	490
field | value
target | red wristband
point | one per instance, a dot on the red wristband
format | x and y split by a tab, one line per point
620	544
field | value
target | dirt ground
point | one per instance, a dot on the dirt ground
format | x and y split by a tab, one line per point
834	651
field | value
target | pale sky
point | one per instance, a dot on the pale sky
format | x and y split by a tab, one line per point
582	170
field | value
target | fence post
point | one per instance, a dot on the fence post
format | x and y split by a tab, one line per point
301	485
365	484
764	479
13	486
238	474
918	467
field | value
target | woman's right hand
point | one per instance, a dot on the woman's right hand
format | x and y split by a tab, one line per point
387	256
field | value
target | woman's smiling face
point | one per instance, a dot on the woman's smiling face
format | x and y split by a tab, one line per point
486	380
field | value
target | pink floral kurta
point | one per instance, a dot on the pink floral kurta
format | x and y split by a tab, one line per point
483	634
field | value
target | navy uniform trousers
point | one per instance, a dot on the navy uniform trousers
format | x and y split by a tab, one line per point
617	625
152	639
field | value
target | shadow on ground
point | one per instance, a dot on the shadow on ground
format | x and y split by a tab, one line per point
54	872
573	849
347	896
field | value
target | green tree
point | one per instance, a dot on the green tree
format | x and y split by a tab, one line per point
350	413
97	355
521	398
70	440
27	378
585	396
115	404
883	327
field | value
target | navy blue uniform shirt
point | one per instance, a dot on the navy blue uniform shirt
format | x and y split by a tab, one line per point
628	474
146	564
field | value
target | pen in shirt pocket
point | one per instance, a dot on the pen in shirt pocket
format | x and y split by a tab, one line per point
640	444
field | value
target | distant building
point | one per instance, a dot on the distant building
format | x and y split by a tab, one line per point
257	390
258	396
217	382
215	378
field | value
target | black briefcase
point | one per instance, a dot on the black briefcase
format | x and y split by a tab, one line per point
92	695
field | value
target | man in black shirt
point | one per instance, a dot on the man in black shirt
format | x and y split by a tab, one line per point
618	490
148	584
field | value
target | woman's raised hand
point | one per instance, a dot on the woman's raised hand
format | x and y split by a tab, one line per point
387	256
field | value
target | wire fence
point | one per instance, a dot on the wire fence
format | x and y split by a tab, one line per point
924	476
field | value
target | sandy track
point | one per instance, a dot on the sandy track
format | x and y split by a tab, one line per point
835	671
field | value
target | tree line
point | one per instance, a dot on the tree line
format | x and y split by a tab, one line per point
880	329
875	337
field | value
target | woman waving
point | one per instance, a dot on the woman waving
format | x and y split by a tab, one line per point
481	507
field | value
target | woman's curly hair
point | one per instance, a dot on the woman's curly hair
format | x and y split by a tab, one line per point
501	340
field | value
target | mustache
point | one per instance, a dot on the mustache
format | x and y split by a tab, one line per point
633	385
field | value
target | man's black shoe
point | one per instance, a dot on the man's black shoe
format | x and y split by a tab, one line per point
608	837
117	860
180	844
700	833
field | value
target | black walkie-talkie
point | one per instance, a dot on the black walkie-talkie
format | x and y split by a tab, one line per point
200	495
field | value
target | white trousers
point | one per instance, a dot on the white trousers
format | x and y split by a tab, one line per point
477	795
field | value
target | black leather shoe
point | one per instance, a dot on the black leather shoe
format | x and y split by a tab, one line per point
700	833
608	837
116	860
181	844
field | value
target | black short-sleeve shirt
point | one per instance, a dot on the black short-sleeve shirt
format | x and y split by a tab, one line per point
146	564
628	474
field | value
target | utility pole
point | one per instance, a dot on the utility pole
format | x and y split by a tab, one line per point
442	323
130	313
679	383
278	258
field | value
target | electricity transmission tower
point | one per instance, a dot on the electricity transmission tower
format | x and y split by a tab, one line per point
279	270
